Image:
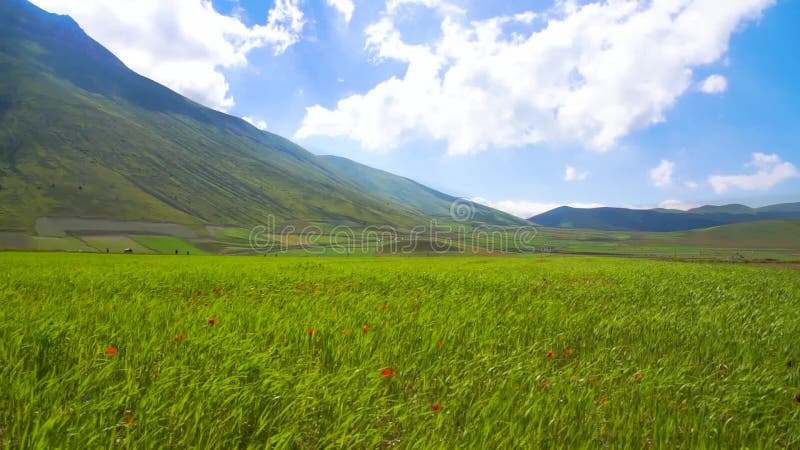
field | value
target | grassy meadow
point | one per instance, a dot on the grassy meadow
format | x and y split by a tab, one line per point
140	351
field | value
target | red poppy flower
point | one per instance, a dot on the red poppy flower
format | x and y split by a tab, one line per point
550	354
213	321
129	421
217	290
385	308
638	376
199	292
310	331
546	384
437	407
111	351
568	351
181	337
387	372
365	328
441	342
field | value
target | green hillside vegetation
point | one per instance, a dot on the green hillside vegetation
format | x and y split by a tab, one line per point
83	136
412	194
766	234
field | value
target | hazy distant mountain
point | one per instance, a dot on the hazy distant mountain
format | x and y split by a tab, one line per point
662	219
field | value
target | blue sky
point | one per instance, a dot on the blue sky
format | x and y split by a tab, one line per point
669	102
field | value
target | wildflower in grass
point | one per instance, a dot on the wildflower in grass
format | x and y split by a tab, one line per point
129	421
199	293
573	378
568	351
213	321
437	407
638	376
310	332
441	342
365	329
344	333
181	337
217	290
387	372
385	308
545	384
85	398
111	351
550	354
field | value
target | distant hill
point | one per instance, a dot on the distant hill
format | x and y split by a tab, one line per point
778	234
412	194
81	135
662	220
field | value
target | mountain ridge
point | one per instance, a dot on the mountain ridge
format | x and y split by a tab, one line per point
81	135
662	220
411	193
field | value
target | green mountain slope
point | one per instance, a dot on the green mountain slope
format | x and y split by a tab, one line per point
723	209
781	234
412	194
662	220
81	135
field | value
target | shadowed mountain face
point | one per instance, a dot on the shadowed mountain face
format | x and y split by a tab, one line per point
662	219
82	135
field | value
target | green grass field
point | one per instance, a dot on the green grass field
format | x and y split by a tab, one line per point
525	352
167	244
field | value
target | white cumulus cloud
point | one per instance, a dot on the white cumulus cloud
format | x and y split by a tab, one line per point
661	175
715	84
526	209
588	73
345	7
182	44
260	124
572	174
770	170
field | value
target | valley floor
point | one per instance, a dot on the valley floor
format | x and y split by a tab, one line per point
141	351
765	241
